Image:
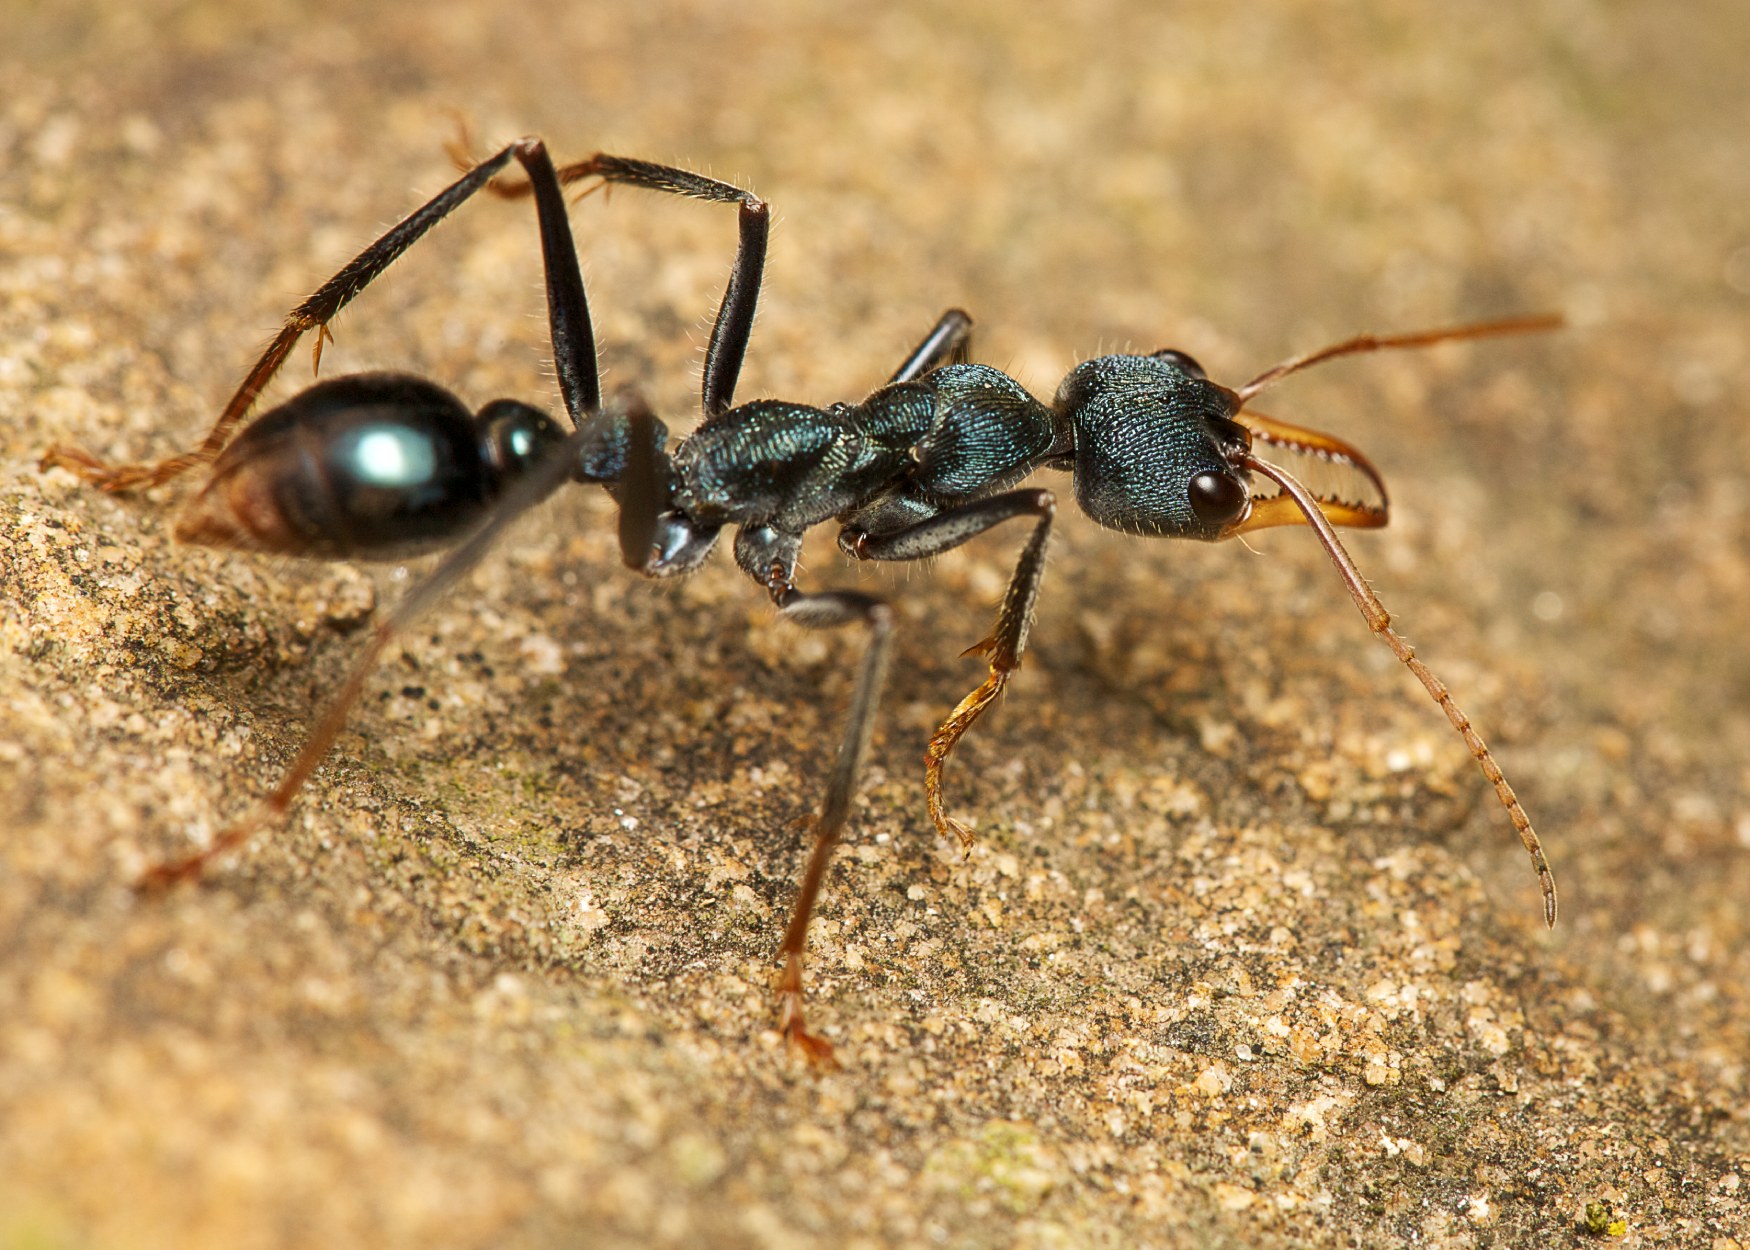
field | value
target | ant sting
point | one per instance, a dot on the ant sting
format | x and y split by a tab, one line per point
384	466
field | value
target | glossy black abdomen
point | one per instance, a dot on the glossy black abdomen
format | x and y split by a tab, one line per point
368	466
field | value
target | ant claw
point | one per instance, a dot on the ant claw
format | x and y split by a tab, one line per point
984	646
963	832
815	1050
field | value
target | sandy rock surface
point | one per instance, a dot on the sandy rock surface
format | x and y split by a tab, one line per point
1247	955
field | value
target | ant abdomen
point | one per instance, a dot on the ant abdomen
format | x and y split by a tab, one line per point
372	466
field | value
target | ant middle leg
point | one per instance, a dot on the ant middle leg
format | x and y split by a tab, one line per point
1004	646
770	558
949	342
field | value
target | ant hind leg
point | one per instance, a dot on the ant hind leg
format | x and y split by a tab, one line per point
574	359
530	490
727	349
313	314
948	343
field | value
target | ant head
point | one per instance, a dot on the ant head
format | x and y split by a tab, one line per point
1161	450
1157	450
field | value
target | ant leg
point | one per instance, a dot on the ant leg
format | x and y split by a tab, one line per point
612	447
949	343
829	610
573	338
1383	342
642	489
574	359
543	480
313	314
727	349
1005	645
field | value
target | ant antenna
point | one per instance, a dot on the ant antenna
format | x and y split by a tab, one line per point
1379	620
1377	342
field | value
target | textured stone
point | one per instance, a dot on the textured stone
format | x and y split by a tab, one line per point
1247	954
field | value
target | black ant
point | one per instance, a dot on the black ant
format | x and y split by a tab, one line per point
386	466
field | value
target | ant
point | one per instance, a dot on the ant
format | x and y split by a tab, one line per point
384	466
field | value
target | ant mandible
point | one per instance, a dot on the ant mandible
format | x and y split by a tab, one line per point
387	466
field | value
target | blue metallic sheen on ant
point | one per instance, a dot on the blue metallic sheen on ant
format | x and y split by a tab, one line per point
384	466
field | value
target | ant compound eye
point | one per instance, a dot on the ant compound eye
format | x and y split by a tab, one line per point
1180	360
1218	499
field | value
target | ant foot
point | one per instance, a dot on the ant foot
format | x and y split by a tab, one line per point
816	1050
984	646
160	878
947	826
79	462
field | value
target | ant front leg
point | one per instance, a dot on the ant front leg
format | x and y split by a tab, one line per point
1004	646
